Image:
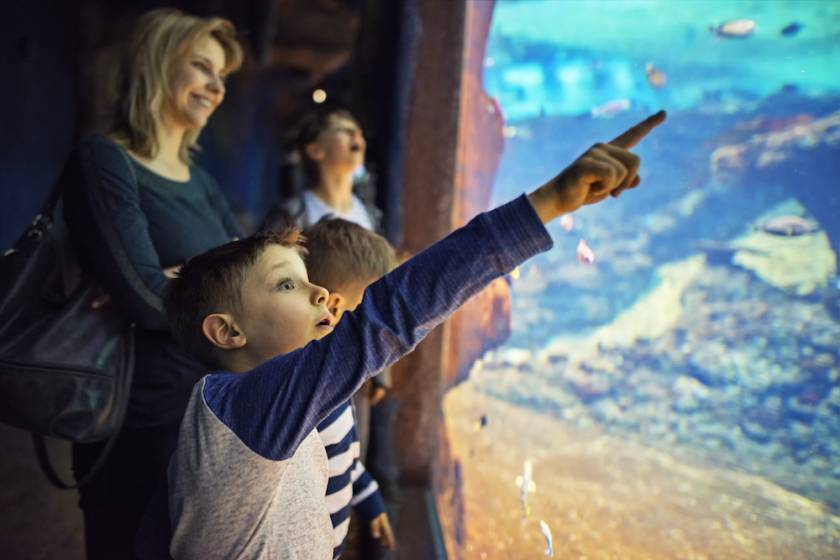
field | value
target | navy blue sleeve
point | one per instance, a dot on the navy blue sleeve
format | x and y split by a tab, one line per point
102	208
275	406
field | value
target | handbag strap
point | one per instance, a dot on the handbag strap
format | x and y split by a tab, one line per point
46	465
52	200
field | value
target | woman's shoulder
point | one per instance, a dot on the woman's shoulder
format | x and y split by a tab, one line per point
99	151
101	148
99	140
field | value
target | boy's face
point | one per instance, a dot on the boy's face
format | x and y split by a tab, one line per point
341	145
281	310
347	297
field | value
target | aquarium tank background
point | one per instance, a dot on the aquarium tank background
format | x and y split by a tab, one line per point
670	387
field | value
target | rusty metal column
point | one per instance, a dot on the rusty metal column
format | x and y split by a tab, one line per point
428	198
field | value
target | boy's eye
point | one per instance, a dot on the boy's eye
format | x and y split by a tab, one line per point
286	285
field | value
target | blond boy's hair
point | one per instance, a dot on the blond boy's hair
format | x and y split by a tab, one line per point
342	252
162	38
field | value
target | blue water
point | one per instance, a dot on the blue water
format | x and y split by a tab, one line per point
753	134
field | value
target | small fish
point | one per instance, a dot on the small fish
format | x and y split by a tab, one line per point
549	542
655	77
482	423
610	108
567	222
584	253
788	226
791	29
526	486
734	29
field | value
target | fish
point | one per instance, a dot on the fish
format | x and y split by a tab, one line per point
791	29
734	29
584	253
567	222
526	486
549	542
610	108
788	226
522	132
482	423
655	77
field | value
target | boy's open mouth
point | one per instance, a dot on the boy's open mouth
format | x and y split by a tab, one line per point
326	322
355	147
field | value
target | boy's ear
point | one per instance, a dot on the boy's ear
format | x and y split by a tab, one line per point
335	302
222	331
314	151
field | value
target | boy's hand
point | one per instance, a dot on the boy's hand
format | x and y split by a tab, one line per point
603	170
172	271
380	529
377	395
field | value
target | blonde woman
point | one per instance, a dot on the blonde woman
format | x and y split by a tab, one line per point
137	207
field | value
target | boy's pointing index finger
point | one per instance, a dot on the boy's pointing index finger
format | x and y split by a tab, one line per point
633	135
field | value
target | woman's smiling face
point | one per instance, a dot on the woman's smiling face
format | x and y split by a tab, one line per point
197	85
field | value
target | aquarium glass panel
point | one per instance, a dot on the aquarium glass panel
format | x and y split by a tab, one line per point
670	386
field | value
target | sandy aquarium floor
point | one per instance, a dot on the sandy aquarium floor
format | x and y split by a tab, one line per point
609	498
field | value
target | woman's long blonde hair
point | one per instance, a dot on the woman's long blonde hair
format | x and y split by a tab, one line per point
161	38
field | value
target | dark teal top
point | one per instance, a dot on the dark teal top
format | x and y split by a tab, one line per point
128	224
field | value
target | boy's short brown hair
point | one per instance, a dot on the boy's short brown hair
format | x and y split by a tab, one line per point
212	283
342	252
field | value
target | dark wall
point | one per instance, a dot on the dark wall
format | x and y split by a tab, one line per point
59	66
38	105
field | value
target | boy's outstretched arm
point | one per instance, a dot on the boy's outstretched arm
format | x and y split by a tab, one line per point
272	408
603	170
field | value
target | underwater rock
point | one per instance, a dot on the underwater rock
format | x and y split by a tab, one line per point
557	360
803	411
761	423
689	393
801	264
512	357
773	141
607	411
833	400
589	388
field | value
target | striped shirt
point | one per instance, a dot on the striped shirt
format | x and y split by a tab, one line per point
349	485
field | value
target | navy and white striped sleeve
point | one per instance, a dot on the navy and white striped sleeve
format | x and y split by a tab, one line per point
367	499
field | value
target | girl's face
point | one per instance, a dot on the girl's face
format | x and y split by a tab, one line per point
198	85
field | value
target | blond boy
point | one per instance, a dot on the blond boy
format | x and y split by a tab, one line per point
345	258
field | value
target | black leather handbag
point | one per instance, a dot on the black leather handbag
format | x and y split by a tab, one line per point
65	363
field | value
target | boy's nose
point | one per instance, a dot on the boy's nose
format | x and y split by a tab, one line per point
319	295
